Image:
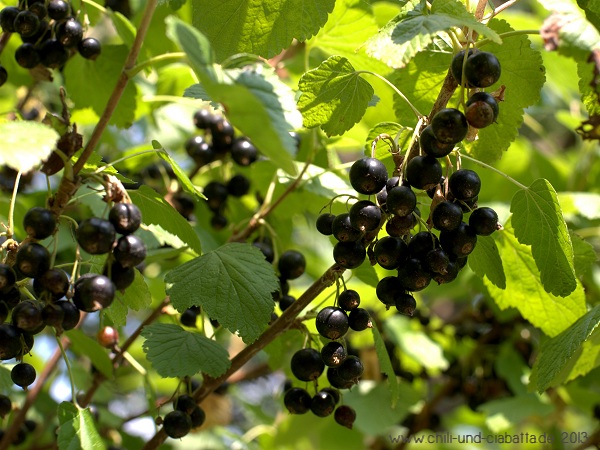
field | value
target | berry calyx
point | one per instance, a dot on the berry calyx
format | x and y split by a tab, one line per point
406	304
333	354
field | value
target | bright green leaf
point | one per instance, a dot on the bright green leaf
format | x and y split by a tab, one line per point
334	96
232	284
366	273
77	429
135	297
175	352
386	365
505	413
261	27
538	221
84	345
525	292
125	29
25	144
184	180
485	261
156	210
584	255
560	354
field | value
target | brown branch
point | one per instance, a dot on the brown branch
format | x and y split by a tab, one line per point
283	323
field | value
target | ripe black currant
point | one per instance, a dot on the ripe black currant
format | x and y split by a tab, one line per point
449	126
450	273
23	374
8	14
198	416
324	223
322	404
368	176
484	221
238	185
125	217
482	69
365	216
69	32
222	136
399	226
130	250
332	322
53	315
459	242
336	380
188	318
96	236
343	230
433	147
437	261
348	300
27	316
456	66
10	341
401	200
333	354
243	152
421	243
72	314
406	304
351	369
184	403
464	184
58	9
286	301
388	289
27	56
390	252
413	276
5	405
8	278
350	254
204	119
53	54
26	23
446	216
3	75
359	319
345	415
93	292
177	424
481	110
39	223
307	364
266	247
89	48
291	264
216	194
32	260
297	400
122	277
334	393
199	150
423	172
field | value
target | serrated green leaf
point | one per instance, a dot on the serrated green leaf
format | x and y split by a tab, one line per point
175	352
560	354
584	255
25	144
523	74
102	74
261	27
125	29
77	429
184	180
233	284
156	210
334	96
485	261
538	221
525	292
84	345
135	297
197	91
386	365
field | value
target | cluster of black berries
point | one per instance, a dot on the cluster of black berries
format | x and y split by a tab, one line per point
97	236
26	429
49	32
186	415
291	264
217	194
423	256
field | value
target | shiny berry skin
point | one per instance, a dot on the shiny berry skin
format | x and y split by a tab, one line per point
431	146
27	56
72	314
388	289
122	277
401	200
307	364
96	236
108	337
89	48
69	32
27	316
365	216
464	184
199	150
342	229
58	9
423	172
437	261
10	341
188	318
130	250
345	415
332	322
349	300
243	152
198	416
286	301
53	315
8	278
39	223
390	252
333	354
324	224
456	66
421	243
39	9
32	260
204	119
266	247
322	404
184	403
459	242
216	194
93	292
413	275
399	226
8	14
484	221
449	126
125	217
23	374
406	304
291	264
481	110
177	424
359	319
368	176
26	23
449	275
238	185
482	69
297	400
53	54
222	136
351	369
446	216
336	380
350	254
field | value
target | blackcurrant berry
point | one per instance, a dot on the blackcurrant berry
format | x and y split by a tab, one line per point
307	364
456	66
324	223
125	217
482	69
423	172
8	278
459	242
413	276
184	403
72	314
365	216
481	110
359	319
390	252
450	273
243	152
449	126
322	404
345	415
332	322
446	216
58	9
266	247
351	369
39	223
291	264
89	48
10	341
421	243
39	9
349	300
130	250
406	304
333	354
69	32
27	316
297	400
199	150
334	393
32	260
27	56
93	292
464	184
26	23
8	14
431	146
368	176
23	374
177	424
286	301
216	194
484	221
401	200
204	119
188	318
122	277
96	236
399	226
222	136
388	289
197	416
343	230
437	261
238	185
350	254
3	75
53	54
53	315
337	381
5	405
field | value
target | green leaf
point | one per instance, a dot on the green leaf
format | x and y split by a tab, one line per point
175	352
585	204
124	28
485	261
84	345
334	96
184	180
505	413
156	210
584	255
233	284
136	297
25	144
366	273
525	292
538	221
386	365
173	4
561	353
77	429
592	11
523	74
102	74
261	27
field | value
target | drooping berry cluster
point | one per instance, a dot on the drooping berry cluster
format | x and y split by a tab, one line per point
186	415
50	33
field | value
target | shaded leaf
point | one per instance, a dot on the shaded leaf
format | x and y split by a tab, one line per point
485	261
25	144
184	180
77	429
386	365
